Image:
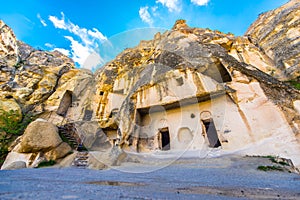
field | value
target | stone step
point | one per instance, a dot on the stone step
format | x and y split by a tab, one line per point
81	160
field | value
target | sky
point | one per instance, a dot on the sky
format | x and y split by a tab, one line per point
92	32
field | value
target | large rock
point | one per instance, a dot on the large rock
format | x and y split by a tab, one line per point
105	159
94	139
15	165
277	33
59	152
40	135
13	157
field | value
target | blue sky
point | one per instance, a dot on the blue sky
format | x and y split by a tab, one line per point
97	30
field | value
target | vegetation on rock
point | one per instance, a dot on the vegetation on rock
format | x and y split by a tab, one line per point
10	129
270	168
46	163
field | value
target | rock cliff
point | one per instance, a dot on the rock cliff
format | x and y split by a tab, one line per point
187	89
277	33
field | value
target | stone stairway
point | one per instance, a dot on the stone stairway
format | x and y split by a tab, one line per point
81	159
67	133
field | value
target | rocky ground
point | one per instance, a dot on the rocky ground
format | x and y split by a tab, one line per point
229	177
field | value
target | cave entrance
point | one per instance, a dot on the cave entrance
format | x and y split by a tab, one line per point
65	103
211	133
164	139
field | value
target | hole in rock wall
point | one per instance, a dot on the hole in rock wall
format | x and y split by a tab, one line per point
211	133
218	72
164	139
65	103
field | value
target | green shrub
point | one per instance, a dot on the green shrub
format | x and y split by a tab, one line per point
46	163
10	125
295	83
273	159
270	168
10	129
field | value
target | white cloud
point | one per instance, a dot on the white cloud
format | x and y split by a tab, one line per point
172	5
41	19
79	51
145	15
200	2
50	45
58	23
87	43
63	51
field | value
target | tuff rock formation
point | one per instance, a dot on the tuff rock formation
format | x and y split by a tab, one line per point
187	89
277	33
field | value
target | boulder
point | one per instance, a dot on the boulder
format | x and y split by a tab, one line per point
68	160
94	139
101	160
59	152
13	157
16	165
40	135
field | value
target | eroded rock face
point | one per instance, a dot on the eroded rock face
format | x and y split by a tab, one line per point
277	33
192	88
187	89
28	75
8	46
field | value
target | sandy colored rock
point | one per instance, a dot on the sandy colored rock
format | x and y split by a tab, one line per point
59	152
277	33
40	135
28	75
17	157
15	165
297	106
68	160
8	46
187	89
101	160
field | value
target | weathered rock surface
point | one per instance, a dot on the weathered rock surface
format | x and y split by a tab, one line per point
28	75
59	152
101	160
277	32
8	47
187	89
15	165
40	135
